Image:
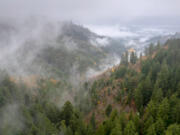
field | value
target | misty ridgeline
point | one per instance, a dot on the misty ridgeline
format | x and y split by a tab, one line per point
59	78
50	61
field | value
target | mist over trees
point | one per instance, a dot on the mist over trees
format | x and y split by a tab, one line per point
153	104
94	67
150	89
44	88
53	49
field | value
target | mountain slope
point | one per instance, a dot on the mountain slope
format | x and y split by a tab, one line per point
141	94
51	49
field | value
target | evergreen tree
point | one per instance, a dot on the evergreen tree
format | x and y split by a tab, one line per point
108	110
138	98
157	95
130	128
124	58
160	126
147	89
133	58
163	110
117	130
93	121
151	130
100	130
67	112
158	45
151	110
151	49
173	129
149	126
163	78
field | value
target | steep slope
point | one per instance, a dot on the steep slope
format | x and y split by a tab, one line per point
140	96
139	93
61	50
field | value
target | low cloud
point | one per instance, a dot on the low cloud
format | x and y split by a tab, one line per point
11	119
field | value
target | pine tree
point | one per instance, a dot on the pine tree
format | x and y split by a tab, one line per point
130	128
173	129
124	58
151	110
147	89
151	130
100	130
93	121
157	95
108	110
160	126
133	58
117	130
147	125
67	112
138	98
163	78
151	49
163	110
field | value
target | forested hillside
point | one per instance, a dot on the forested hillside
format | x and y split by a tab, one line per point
141	96
52	49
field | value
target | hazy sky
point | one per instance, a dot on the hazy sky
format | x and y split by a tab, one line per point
96	11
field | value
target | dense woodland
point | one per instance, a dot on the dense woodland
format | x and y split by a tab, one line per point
141	96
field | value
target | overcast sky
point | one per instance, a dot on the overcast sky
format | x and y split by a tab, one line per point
96	11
